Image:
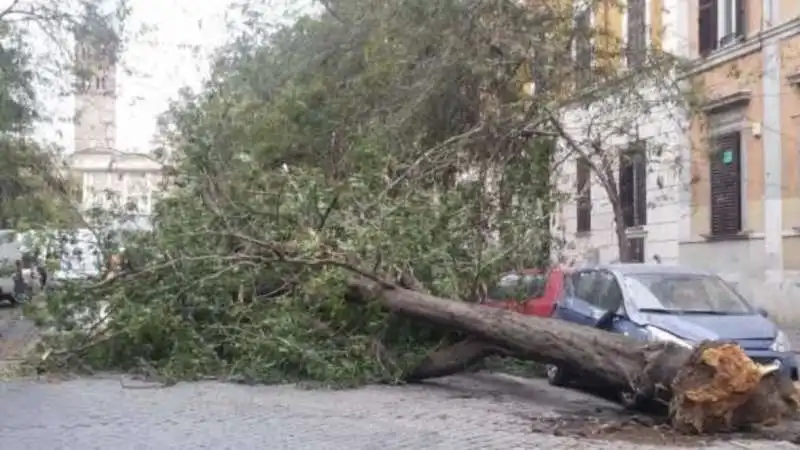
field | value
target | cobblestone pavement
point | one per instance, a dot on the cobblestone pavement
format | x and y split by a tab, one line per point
472	412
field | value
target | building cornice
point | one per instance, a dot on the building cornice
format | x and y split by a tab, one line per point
736	99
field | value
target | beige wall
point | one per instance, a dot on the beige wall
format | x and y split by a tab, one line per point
790	143
745	73
766	266
789	9
720	81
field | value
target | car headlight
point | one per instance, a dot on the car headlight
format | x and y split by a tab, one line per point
659	335
781	343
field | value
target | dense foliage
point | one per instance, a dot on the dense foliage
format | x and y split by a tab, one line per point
20	160
387	140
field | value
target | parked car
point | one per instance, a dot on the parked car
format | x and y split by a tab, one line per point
669	303
531	292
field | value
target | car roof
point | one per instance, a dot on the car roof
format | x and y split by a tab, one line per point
639	268
536	271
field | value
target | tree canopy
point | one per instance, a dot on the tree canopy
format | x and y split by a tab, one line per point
396	141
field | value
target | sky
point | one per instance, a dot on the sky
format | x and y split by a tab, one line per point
156	65
173	52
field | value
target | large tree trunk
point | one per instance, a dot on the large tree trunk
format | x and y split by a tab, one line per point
714	387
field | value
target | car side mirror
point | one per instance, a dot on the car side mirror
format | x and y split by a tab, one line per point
605	321
762	312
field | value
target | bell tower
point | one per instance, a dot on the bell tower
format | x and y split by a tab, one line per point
95	86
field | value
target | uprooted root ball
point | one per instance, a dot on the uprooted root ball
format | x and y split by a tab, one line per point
719	388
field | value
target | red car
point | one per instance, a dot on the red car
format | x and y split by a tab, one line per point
531	292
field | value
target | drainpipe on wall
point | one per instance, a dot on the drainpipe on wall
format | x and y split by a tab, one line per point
772	148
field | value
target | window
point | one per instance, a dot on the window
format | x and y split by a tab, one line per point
584	284
608	292
732	20
635	251
145	205
637	33
726	185
720	23
598	288
664	292
132	204
82	83
514	287
584	196
633	185
583	46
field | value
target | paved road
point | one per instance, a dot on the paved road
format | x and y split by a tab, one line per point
464	413
472	412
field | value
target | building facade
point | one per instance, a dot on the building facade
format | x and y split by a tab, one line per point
115	181
730	201
645	138
741	214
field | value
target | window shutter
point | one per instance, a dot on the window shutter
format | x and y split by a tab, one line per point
707	26
626	189
741	18
583	47
726	186
640	188
637	33
633	185
584	196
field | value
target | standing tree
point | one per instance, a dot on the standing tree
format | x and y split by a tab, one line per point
627	107
19	158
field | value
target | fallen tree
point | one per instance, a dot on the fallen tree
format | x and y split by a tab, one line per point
713	388
378	138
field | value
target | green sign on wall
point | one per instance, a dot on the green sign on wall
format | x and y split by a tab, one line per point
727	156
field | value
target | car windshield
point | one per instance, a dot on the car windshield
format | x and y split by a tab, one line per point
684	293
513	286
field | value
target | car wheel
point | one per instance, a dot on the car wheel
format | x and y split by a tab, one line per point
556	376
630	399
8	298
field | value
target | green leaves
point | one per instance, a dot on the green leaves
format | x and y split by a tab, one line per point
376	142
